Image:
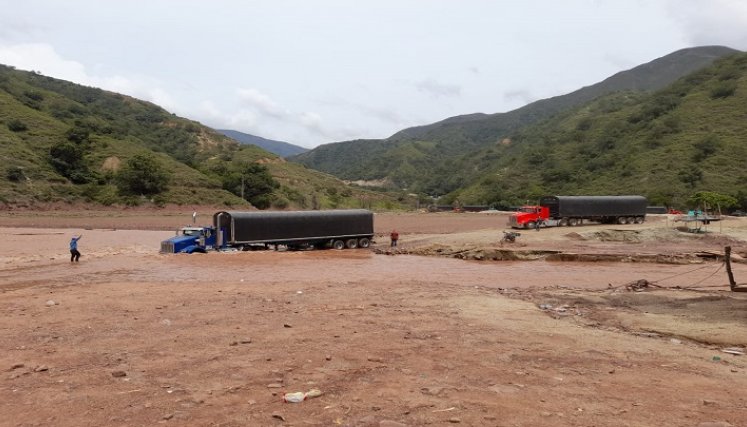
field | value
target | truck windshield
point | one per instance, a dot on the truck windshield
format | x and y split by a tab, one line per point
528	209
191	231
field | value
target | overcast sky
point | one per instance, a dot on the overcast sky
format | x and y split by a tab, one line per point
312	72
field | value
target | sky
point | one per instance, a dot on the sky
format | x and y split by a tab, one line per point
311	72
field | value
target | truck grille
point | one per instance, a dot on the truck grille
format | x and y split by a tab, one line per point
167	247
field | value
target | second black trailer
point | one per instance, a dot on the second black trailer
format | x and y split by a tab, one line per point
605	209
349	228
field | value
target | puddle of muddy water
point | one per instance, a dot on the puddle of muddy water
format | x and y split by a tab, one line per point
132	255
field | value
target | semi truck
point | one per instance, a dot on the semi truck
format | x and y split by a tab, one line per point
573	210
338	229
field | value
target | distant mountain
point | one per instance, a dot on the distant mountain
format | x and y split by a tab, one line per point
282	149
440	158
667	145
63	142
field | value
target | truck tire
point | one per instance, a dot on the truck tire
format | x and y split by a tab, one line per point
338	244
631	220
351	243
364	242
563	222
530	224
622	220
639	220
572	222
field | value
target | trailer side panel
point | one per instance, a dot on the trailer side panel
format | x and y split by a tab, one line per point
267	227
594	206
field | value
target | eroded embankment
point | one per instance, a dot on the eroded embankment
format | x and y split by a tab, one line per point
499	254
607	245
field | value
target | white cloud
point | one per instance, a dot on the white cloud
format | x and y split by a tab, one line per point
43	58
261	102
437	89
208	108
524	96
485	56
719	22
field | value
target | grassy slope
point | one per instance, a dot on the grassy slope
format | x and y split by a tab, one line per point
444	156
631	144
121	127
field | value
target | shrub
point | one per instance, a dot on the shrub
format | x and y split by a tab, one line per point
67	159
691	177
706	147
724	89
281	203
254	182
78	134
16	125
15	174
142	174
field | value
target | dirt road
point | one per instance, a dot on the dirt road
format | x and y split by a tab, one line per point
129	337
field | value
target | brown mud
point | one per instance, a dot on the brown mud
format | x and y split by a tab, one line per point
648	334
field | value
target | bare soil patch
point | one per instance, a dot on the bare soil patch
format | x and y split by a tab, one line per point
131	337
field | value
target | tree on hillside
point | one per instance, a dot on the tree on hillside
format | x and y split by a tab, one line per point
142	175
252	181
710	199
78	134
67	159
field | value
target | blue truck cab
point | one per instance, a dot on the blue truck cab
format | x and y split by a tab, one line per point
189	240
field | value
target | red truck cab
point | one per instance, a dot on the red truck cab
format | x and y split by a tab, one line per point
528	216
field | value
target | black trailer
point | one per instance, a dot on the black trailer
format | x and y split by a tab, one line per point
571	210
339	229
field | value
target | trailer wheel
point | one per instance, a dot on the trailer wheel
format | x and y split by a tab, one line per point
351	243
338	244
631	220
639	220
572	222
563	222
364	242
622	220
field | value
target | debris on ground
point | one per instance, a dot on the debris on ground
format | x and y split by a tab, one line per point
638	285
737	351
299	396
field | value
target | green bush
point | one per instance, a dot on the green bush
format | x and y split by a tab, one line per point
706	148
281	203
16	125
78	134
15	174
254	182
142	174
724	89
67	159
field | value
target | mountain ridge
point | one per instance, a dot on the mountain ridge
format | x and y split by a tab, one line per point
281	148
419	158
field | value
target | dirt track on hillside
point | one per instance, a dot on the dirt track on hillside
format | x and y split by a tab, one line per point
130	337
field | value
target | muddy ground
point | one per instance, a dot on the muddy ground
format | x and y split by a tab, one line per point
589	326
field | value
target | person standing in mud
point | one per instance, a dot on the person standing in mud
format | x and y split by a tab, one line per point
394	236
74	254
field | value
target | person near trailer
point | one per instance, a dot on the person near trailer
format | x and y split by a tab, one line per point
74	253
394	237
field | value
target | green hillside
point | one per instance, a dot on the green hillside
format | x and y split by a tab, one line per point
441	157
688	137
63	142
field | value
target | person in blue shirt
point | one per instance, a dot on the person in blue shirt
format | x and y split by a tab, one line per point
74	254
